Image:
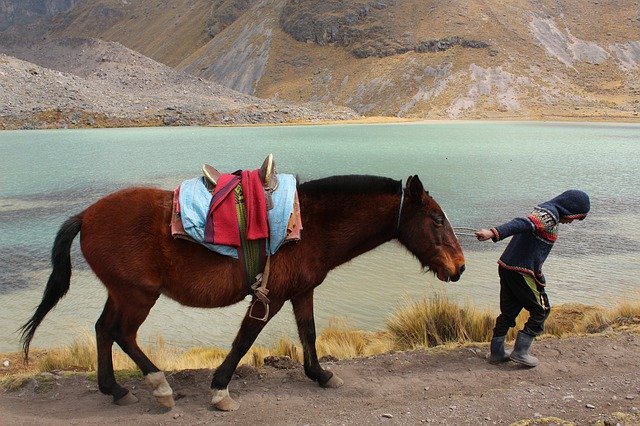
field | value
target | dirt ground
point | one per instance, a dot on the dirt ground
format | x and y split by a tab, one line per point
581	380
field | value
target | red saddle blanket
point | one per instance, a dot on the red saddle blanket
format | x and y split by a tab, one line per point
222	220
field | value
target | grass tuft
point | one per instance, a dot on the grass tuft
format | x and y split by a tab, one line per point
287	348
573	318
432	322
626	313
13	382
342	341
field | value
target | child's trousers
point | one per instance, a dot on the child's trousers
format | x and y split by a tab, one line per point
515	294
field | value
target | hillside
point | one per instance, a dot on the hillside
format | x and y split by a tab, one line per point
414	59
93	83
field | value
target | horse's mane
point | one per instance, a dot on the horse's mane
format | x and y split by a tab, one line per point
352	184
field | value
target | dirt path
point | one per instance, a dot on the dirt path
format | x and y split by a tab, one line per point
582	380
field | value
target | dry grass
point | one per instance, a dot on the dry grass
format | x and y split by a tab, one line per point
572	318
418	324
344	342
436	321
432	322
626	312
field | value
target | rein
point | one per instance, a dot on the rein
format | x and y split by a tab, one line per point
464	228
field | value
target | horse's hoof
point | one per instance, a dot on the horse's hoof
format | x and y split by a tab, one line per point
166	400
221	400
226	404
161	389
333	382
128	399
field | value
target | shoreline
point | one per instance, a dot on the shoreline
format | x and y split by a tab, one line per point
340	340
120	123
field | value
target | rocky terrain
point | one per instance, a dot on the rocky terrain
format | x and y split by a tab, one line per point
93	83
155	62
27	11
590	380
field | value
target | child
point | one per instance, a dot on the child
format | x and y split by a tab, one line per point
522	284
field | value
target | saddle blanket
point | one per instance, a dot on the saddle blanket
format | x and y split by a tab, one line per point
194	200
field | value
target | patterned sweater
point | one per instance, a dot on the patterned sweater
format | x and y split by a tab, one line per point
533	236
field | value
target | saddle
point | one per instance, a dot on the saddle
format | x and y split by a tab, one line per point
269	180
284	215
267	173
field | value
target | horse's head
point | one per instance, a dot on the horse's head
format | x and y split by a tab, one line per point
424	229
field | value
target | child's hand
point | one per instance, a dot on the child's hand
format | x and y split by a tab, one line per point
484	234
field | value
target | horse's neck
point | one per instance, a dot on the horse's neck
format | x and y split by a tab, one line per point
350	227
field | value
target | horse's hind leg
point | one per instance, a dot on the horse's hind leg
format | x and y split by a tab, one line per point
104	338
122	325
303	311
247	334
131	318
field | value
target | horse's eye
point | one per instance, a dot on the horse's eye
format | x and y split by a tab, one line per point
439	220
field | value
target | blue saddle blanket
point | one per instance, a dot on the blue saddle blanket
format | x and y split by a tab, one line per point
195	198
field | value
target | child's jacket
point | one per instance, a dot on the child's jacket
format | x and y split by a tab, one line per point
533	236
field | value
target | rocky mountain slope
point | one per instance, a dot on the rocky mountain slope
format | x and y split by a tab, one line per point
27	11
414	59
93	83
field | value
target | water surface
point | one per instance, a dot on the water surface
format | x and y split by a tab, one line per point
482	173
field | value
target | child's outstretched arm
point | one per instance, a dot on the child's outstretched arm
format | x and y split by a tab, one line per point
484	234
518	225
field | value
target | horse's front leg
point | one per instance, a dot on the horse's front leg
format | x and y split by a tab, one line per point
303	310
247	334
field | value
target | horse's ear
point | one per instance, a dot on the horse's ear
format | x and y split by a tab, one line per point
409	179
415	187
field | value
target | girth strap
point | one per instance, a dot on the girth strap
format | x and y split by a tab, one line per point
251	255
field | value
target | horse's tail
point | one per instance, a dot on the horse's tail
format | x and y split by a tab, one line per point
59	280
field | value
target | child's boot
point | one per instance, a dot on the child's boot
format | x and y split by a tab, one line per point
498	352
521	348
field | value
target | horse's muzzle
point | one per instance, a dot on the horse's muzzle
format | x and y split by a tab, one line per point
455	277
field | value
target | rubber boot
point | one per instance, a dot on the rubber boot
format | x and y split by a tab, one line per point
498	352
521	348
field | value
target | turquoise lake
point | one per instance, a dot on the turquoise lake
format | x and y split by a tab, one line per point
481	173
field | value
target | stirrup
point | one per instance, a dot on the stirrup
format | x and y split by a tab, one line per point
266	310
260	292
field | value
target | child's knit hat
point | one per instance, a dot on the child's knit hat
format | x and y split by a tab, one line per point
571	204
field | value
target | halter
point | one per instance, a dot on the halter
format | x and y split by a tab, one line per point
400	209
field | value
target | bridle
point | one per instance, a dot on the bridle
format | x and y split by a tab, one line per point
400	209
456	229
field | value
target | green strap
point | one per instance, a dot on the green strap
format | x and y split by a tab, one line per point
252	252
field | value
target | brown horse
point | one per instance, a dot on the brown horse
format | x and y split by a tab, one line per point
126	240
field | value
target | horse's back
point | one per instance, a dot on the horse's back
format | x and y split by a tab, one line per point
126	239
131	211
123	233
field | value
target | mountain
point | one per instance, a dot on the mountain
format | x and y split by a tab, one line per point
416	59
95	83
23	12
